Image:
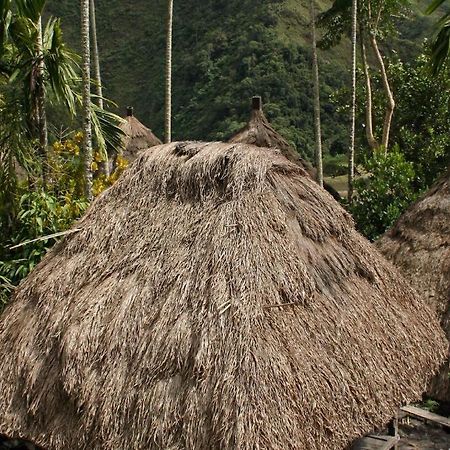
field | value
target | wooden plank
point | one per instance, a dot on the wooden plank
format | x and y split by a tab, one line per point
426	415
374	442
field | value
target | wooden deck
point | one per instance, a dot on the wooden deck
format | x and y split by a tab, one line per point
386	442
374	442
425	415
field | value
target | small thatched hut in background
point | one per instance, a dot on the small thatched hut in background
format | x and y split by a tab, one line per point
260	132
419	245
215	298
137	136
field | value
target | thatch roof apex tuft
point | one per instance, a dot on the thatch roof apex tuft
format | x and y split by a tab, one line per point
228	303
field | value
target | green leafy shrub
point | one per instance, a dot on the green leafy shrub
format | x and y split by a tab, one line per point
36	214
384	194
430	405
40	214
6	287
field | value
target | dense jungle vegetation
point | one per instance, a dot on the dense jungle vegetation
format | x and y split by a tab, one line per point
225	52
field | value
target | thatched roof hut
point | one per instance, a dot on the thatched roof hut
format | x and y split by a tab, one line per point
419	245
215	298
260	132
137	136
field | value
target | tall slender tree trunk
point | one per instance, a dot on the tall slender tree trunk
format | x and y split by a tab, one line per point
168	112
104	166
387	90
371	140
351	151
86	75
40	105
95	55
315	73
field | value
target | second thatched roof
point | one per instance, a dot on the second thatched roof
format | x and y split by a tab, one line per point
216	298
419	245
260	132
137	136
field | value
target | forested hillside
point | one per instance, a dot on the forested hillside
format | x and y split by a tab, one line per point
225	51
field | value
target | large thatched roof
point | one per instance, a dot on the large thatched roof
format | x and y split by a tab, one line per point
260	132
228	303
419	244
137	136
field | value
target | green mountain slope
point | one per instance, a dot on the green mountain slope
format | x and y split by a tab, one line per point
225	51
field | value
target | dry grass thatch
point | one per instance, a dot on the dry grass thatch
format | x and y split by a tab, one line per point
137	136
215	298
260	132
419	244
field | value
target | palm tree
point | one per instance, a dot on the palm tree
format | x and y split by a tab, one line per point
95	56
86	95
351	152
316	91
18	102
168	108
31	11
41	111
33	60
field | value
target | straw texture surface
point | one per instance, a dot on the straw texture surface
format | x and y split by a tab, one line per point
419	245
137	137
216	298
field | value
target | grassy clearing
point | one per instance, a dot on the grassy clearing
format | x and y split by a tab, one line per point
339	183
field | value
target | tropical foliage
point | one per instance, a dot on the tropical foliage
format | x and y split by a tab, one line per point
40	216
384	194
41	186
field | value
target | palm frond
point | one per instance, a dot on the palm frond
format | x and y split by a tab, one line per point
61	65
435	4
441	45
107	130
5	18
32	9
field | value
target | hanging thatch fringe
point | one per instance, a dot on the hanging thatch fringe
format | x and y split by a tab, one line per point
155	326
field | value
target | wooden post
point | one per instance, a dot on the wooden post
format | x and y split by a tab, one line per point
393	428
257	103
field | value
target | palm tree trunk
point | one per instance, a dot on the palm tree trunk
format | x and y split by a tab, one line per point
388	92
95	55
104	166
315	73
168	112
351	151
86	75
371	140
41	112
